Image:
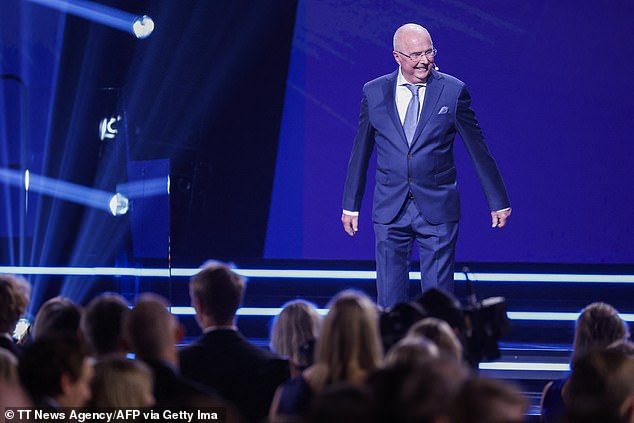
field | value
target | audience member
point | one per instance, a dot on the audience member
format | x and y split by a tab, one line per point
8	366
440	333
348	350
58	316
419	393
297	324
483	400
101	325
208	401
598	326
411	351
423	378
601	388
152	333
14	298
341	403
624	346
222	358
121	382
56	372
12	395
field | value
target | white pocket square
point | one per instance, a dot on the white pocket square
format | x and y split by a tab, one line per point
443	110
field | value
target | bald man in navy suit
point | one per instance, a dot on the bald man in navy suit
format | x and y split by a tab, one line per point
412	116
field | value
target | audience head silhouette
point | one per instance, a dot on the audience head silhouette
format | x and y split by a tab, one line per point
216	292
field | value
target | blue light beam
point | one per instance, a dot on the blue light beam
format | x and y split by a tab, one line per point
139	26
68	191
144	188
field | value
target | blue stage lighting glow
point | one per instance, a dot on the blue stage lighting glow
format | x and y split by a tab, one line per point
550	367
290	274
513	315
118	205
549	277
5	175
85	271
11	177
555	316
144	188
306	274
139	26
243	311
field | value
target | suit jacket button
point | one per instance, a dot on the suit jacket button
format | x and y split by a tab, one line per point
409	156
410	179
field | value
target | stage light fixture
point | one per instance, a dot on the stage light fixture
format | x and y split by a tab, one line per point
142	27
118	205
139	26
27	180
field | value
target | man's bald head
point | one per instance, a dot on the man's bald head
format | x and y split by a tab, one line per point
408	31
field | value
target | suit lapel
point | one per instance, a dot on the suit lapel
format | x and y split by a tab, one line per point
389	90
432	94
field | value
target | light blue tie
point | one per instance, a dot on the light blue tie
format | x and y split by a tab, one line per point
411	115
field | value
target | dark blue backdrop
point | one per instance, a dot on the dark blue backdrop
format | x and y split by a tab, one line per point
551	83
552	87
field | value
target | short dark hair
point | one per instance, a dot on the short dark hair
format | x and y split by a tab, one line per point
102	320
44	361
57	316
219	291
483	400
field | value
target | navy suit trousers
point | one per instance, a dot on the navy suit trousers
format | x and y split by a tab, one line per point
394	241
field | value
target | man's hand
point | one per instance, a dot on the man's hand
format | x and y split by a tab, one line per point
350	224
498	218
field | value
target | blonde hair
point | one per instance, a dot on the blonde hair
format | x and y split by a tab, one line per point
297	323
349	346
440	333
598	326
120	382
14	298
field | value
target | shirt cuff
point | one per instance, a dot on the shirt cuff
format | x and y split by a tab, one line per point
503	210
351	213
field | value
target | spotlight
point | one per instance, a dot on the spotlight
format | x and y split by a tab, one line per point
142	27
118	205
139	26
27	180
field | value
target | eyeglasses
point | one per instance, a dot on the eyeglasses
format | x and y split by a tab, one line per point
415	57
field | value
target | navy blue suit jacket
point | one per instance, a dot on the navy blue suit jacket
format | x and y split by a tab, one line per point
237	370
427	168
